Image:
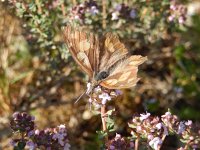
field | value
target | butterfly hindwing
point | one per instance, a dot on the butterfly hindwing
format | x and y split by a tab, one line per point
112	51
124	74
84	48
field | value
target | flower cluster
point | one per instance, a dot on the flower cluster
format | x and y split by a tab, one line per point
119	142
177	12
123	11
100	96
155	129
80	11
50	138
22	122
184	129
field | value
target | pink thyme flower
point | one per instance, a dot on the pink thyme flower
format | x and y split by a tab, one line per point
105	97
89	88
144	116
155	143
97	89
117	136
188	123
62	128
167	114
37	132
115	16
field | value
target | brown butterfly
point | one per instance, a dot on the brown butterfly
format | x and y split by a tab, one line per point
105	60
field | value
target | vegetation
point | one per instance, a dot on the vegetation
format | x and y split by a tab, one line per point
38	76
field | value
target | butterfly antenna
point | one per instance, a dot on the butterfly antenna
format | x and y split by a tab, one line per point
80	97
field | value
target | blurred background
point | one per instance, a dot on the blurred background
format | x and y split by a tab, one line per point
39	76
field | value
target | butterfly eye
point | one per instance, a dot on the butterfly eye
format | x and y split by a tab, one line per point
101	75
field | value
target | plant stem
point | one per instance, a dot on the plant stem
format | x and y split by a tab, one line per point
137	144
39	9
163	138
104	14
103	119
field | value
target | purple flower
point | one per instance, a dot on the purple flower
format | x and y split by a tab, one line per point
94	10
13	143
118	92
67	146
181	128
112	147
133	13
30	133
144	116
118	7
31	145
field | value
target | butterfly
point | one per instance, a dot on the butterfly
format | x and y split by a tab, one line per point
105	60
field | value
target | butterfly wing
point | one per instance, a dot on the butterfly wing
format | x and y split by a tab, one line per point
124	74
112	50
84	48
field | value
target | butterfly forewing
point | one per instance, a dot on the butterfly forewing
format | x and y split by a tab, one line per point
84	48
